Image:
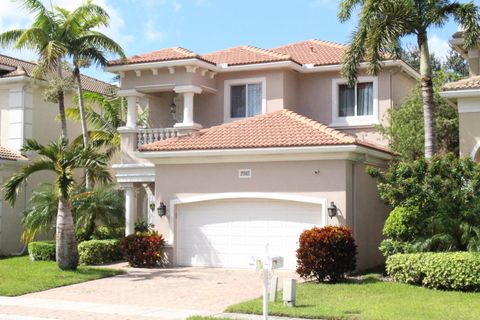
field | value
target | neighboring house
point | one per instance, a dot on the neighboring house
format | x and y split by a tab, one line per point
250	146
466	96
23	115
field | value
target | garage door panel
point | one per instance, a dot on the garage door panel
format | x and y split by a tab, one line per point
227	233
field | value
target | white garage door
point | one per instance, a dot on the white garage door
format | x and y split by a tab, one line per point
228	233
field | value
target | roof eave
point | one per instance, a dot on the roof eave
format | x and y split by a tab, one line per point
347	152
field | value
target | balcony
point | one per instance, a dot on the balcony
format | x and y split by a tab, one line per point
146	136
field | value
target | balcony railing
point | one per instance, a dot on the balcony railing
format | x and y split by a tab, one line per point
146	136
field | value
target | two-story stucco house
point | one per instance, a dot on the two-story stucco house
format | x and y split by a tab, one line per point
24	115
465	94
251	146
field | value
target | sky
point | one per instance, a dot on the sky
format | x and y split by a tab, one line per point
207	25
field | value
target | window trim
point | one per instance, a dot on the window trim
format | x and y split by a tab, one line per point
349	121
245	81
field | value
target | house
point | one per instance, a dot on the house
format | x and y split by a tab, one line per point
465	94
23	115
250	146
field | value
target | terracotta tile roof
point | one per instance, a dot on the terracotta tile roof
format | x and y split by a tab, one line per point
244	55
314	52
282	128
21	67
464	84
166	54
9	154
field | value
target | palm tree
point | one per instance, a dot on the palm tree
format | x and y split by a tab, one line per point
62	159
104	124
381	26
46	38
86	47
103	204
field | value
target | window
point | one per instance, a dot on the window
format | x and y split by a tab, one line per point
244	98
356	105
355	101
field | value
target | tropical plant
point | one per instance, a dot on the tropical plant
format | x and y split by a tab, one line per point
105	114
46	38
381	26
39	217
436	203
62	159
103	205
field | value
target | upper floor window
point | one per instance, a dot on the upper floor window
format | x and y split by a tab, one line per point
356	105
244	98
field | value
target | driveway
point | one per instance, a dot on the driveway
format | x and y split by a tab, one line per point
172	293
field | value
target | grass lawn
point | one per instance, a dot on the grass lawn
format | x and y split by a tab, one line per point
372	299
19	275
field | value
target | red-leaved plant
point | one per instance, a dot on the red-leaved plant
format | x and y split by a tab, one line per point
326	254
143	249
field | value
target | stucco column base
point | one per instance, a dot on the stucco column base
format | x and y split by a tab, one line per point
186	128
128	143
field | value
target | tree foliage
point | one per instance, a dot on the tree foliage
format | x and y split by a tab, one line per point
441	207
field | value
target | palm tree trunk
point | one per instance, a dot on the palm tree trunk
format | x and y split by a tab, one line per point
83	121
61	104
427	95
66	242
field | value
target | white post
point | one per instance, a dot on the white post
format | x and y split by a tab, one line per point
132	112
129	209
188	107
265	293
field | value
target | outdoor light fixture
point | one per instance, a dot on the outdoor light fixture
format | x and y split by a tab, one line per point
332	210
162	209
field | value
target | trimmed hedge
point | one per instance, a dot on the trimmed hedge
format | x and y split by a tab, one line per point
326	254
444	270
42	250
143	249
99	251
107	233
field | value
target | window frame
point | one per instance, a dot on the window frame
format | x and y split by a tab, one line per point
348	121
245	81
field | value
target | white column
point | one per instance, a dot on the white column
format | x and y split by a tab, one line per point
129	208
19	117
132	112
188	107
188	123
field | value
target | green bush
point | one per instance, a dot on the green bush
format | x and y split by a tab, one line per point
99	251
389	247
42	250
106	233
444	192
446	271
402	223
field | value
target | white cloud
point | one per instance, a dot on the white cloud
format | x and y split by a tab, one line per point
177	6
152	33
13	16
439	47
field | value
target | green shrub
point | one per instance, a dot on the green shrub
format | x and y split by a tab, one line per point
446	271
105	233
444	192
143	249
326	254
389	247
402	223
42	250
99	251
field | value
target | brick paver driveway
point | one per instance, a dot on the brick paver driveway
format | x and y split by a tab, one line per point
152	293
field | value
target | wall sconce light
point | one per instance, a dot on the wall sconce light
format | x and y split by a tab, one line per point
332	210
173	108
162	209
